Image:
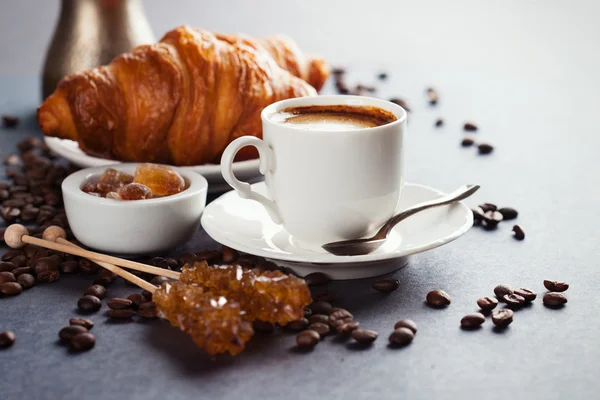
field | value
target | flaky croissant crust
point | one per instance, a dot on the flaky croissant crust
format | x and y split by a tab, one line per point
181	101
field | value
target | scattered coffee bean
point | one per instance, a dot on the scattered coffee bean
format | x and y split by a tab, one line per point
148	310
136	299
519	234
347	327
7	277
117	303
7	266
262	326
26	281
556	286
382	76
432	95
321	307
386	285
513	300
10	289
401	103
324	319
492	219
7	339
147	295
502	318
406	323
340	314
87	267
83	341
307	339
159	280
554	299
86	323
472	321
439	122
298	325
23	270
487	303
47	275
485	207
10	121
467	142
502	290
364	336
470	127
10	254
229	254
67	333
98	291
401	336
337	71
307	312
19	261
326	296
210	256
527	294
438	298
267	266
319	327
334	324
508	213
89	303
317	279
105	277
120	313
485	148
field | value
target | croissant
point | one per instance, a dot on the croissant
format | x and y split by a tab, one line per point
180	101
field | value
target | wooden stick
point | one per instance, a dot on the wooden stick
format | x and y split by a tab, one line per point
16	236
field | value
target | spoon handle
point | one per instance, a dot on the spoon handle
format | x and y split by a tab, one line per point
459	194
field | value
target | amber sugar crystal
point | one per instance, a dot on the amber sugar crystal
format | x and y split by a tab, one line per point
134	191
111	180
161	179
270	296
215	323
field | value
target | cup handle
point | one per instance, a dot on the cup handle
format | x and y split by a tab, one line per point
265	165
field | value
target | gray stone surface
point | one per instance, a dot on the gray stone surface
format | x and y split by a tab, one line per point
527	74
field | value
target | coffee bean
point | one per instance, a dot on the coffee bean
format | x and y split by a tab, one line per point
307	312
229	254
23	270
10	121
10	254
187	259
485	207
298	325
487	303
6	266
519	234
86	323
401	336
7	277
266	266
26	281
472	321
67	333
401	103
18	203
118	303
210	256
159	280
467	142
470	127
10	214
87	267
262	326
492	219
7	339
556	286
319	327
120	313
340	314
98	291
513	300
89	303
439	122
364	336
317	279
551	299
324	319
508	213
386	285
527	294
19	261
105	278
136	299
432	96
347	327
10	289
338	71
438	298
29	143
485	148
83	341
502	318
69	267
406	323
47	275
148	310
326	296
382	76
147	295
502	290
307	339
321	307
29	214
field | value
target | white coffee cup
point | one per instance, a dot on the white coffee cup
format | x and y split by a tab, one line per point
326	185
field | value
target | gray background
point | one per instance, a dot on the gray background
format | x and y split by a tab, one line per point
526	72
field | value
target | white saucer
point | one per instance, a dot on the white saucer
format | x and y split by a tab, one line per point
244	170
245	226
